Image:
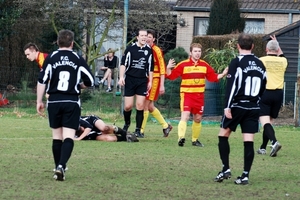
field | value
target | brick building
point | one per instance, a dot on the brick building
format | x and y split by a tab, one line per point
262	17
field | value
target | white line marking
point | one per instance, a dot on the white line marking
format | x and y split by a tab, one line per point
41	138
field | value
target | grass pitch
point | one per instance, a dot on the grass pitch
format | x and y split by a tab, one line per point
154	168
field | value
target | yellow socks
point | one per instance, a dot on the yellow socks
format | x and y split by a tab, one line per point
196	129
181	129
146	114
157	115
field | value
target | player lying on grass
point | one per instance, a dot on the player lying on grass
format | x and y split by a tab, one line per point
93	128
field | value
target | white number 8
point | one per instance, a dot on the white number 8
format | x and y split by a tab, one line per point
63	82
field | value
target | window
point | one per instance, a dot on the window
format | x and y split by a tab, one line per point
200	25
252	26
255	26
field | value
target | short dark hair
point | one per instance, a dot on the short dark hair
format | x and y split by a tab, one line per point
152	32
245	41
31	46
65	38
139	30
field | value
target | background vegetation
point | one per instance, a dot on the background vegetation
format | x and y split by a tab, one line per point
218	42
225	18
93	22
171	99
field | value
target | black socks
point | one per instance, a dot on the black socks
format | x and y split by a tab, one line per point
120	134
224	150
56	150
66	151
127	115
139	119
268	134
248	157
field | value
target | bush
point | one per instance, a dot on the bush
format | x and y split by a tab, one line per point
225	18
85	95
172	98
218	42
219	59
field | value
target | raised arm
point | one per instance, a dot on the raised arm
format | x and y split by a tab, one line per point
170	66
280	52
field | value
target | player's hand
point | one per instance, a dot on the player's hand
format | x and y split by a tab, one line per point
149	86
40	108
121	82
171	63
82	86
273	37
108	129
227	113
161	90
225	71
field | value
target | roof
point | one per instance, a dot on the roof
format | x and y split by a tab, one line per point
270	6
283	30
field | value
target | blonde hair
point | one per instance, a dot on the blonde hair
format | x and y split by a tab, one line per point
195	45
110	50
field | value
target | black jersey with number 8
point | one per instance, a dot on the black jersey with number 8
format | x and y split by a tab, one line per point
63	70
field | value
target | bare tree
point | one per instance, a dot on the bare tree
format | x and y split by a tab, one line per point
153	14
92	20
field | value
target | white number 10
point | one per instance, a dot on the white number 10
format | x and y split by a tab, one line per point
252	86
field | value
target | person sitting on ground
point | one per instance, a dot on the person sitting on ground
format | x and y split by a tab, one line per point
93	128
110	63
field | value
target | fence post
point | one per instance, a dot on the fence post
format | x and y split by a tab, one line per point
296	106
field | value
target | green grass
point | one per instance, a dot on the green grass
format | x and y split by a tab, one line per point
154	168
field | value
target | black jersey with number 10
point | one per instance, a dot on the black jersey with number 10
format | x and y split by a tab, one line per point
246	82
64	70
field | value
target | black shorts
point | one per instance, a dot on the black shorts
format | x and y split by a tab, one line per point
247	119
135	86
64	114
92	135
93	119
271	103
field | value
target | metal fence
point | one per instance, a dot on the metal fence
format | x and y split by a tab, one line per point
214	99
16	75
168	103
